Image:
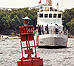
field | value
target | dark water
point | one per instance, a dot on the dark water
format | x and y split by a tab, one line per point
10	52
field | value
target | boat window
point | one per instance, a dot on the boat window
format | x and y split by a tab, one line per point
46	15
54	15
51	9
41	15
59	15
50	15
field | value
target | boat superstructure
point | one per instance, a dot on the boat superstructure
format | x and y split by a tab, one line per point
51	16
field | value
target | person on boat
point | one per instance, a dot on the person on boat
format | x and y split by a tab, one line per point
56	28
41	7
51	30
42	29
47	29
39	29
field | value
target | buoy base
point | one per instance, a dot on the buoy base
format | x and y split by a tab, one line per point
30	62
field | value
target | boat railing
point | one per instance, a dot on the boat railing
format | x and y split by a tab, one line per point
65	32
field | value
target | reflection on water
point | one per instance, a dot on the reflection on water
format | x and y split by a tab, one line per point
10	52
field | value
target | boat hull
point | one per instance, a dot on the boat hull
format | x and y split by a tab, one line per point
53	40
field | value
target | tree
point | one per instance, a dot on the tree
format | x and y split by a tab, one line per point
67	16
71	26
11	20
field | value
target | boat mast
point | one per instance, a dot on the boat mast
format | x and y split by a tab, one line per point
48	2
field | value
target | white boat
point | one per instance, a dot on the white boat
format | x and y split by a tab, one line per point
48	15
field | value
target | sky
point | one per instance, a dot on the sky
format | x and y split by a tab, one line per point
63	4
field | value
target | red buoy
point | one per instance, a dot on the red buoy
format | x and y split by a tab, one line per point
28	48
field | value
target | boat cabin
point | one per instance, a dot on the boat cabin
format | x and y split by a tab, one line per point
49	15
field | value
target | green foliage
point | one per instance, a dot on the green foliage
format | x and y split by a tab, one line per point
68	17
11	20
71	26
